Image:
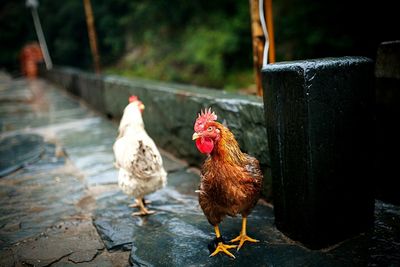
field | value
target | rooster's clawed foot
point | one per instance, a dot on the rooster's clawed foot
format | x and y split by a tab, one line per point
224	249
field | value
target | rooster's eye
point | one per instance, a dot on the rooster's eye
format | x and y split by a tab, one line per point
209	129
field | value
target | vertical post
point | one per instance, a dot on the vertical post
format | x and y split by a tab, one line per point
258	42
33	4
92	35
258	36
270	27
320	126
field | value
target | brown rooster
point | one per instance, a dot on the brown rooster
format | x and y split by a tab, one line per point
230	180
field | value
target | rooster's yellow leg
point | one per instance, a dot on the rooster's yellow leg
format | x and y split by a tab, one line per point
143	211
221	247
243	237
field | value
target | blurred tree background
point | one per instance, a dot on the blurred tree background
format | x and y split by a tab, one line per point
205	43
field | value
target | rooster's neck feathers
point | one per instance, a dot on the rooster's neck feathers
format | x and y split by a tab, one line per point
227	148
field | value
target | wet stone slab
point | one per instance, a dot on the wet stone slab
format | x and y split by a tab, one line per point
37	196
113	219
90	148
33	104
75	240
179	238
179	234
19	150
46	203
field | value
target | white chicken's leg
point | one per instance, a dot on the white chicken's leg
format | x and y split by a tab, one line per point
136	204
143	211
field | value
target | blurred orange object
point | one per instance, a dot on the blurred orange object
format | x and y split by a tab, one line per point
31	55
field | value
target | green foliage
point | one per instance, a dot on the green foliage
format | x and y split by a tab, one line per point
188	41
197	42
13	32
206	43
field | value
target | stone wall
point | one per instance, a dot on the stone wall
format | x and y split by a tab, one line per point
171	110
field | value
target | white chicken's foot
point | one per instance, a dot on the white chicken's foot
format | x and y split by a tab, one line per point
143	211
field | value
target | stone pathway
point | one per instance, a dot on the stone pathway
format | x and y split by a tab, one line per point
61	206
46	205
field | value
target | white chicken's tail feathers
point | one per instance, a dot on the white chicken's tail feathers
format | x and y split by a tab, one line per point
135	187
127	175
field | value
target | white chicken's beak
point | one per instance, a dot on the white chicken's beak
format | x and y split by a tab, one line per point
141	106
195	136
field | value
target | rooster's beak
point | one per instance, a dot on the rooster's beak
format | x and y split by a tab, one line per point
195	136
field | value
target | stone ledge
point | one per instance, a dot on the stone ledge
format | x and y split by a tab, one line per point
171	109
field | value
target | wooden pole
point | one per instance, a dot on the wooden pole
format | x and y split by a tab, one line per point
258	42
92	35
270	27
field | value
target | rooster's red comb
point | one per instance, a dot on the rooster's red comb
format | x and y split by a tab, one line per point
133	98
203	117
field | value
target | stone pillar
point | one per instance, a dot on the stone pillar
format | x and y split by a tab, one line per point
319	118
387	74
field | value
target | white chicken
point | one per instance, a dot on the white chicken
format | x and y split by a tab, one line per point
141	170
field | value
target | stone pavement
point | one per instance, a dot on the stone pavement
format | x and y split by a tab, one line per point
60	204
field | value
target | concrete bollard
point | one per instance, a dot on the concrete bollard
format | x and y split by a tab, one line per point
320	126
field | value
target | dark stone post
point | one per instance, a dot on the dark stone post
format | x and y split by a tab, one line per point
387	74
320	126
